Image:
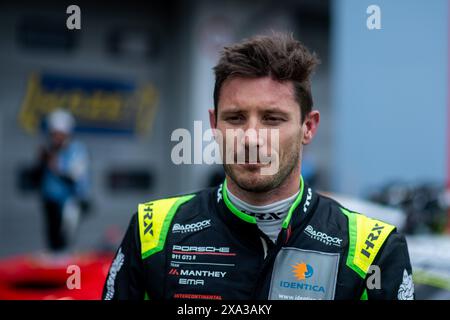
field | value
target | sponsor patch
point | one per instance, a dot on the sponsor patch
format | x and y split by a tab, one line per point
308	200
219	193
304	275
197	273
197	296
191	227
191	282
406	290
322	237
115	268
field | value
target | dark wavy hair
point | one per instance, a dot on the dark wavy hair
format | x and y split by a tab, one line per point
279	56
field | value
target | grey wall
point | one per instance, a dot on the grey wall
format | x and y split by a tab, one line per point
389	94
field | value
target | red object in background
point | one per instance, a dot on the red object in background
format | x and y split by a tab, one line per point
30	277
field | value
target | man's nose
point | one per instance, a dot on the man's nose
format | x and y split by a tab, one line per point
252	135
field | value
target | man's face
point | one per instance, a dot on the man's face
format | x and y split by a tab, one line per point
254	104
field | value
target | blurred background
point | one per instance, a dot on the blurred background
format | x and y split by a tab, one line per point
137	70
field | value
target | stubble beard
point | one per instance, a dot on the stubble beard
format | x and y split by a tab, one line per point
268	182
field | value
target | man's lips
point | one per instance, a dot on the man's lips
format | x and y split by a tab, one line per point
251	166
246	160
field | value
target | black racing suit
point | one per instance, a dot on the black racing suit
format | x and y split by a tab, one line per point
200	246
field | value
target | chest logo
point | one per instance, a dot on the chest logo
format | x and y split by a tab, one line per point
148	220
302	271
300	274
192	227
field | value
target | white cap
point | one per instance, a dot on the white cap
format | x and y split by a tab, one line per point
60	120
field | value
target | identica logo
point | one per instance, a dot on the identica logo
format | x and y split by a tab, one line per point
193	227
322	237
302	286
302	271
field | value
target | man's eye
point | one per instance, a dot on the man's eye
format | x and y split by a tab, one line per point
234	119
273	120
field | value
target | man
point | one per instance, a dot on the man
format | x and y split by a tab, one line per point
260	236
63	166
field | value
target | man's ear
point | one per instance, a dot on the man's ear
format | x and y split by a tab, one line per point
212	118
309	126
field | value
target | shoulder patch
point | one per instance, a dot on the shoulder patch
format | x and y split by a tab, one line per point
154	220
366	236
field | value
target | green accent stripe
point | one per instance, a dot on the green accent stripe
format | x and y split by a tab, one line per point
352	242
249	218
166	225
236	211
364	296
428	278
294	205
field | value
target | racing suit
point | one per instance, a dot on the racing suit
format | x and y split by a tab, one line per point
200	246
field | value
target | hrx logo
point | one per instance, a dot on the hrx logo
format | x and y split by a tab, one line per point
371	238
148	219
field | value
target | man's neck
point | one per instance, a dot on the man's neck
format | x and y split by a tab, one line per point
288	188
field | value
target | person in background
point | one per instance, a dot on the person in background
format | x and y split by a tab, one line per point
64	184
